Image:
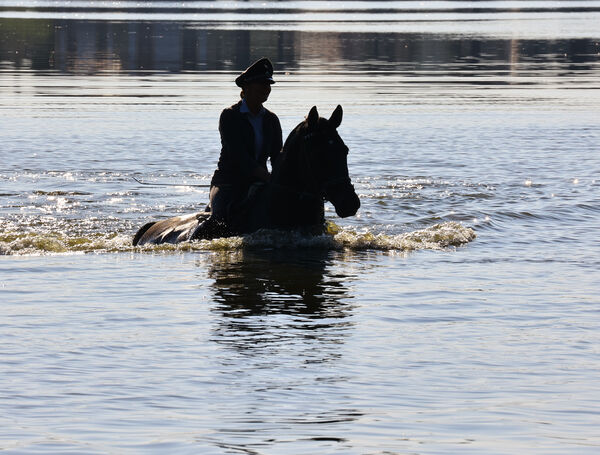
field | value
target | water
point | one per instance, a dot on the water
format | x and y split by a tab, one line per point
457	313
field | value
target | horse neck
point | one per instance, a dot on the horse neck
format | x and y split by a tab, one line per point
292	201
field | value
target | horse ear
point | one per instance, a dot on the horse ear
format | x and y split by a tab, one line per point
313	117
336	118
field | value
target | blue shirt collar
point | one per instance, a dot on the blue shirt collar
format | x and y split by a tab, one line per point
244	109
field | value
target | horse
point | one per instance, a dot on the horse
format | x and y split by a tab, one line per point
312	168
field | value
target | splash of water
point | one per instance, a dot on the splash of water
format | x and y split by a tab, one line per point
437	237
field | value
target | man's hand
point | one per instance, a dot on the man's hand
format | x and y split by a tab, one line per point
262	174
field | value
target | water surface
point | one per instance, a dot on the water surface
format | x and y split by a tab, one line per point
457	313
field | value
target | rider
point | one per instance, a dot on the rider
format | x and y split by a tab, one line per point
249	135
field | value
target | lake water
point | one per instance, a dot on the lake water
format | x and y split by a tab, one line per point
458	312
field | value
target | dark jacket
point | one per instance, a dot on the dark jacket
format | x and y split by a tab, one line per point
238	158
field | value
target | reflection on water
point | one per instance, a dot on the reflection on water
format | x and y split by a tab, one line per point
281	318
296	281
90	47
264	297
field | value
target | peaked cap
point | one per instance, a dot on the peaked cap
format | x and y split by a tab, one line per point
260	70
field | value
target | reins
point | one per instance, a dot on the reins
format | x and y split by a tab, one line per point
169	184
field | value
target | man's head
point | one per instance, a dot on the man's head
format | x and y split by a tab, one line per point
260	71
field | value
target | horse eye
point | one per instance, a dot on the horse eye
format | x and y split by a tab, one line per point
330	141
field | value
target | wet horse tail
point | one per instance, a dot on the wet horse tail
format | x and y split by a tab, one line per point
140	233
171	230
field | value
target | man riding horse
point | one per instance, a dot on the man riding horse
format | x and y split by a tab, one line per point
250	134
310	169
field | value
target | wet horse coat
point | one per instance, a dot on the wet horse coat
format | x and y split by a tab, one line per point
312	168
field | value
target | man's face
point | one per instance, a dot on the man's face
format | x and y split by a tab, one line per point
258	91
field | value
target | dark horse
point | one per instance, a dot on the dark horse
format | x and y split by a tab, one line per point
312	168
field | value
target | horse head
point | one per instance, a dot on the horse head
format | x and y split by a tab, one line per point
324	156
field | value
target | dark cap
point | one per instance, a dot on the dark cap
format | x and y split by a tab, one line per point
261	70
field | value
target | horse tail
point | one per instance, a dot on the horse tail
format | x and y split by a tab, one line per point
142	231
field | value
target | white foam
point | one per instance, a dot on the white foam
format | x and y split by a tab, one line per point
437	237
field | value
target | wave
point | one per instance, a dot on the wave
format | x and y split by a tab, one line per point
437	237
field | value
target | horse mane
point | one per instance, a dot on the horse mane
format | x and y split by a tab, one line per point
289	149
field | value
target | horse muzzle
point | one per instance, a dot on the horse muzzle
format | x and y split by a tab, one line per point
345	200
